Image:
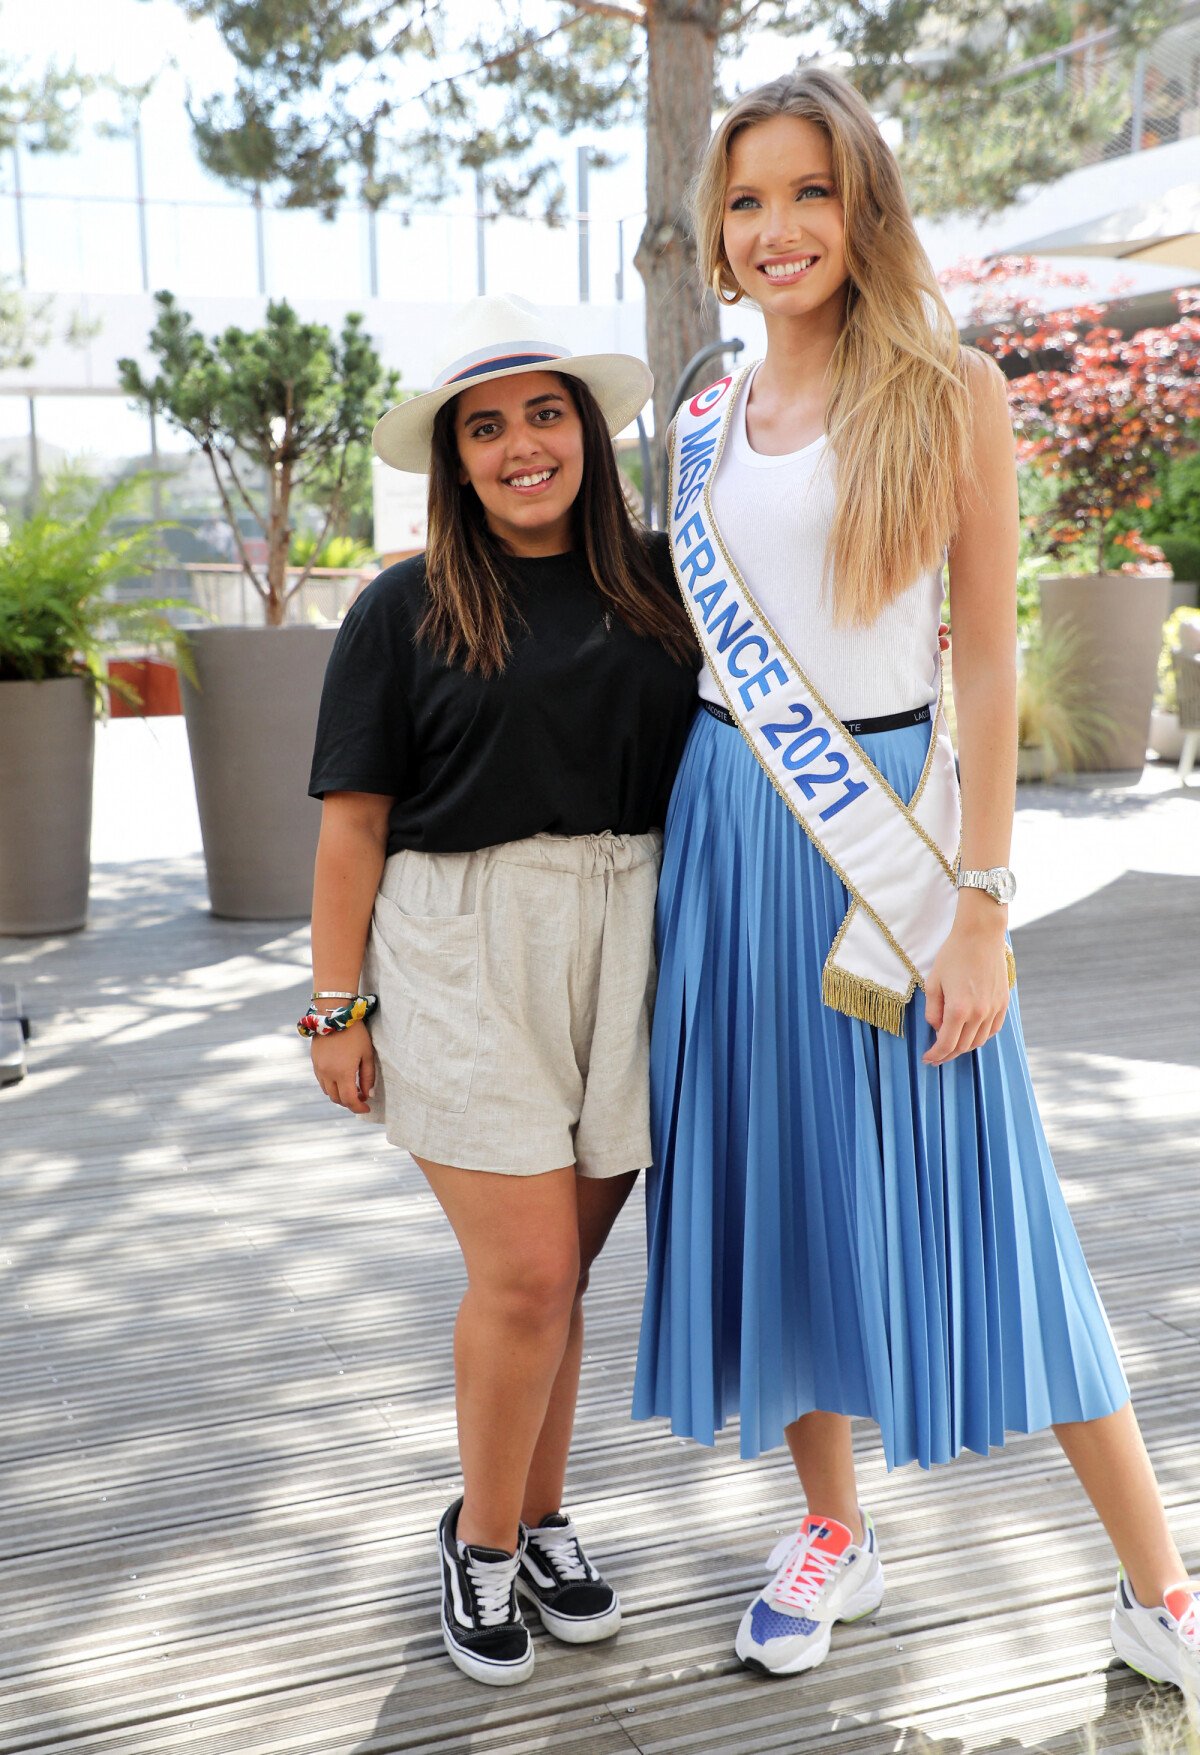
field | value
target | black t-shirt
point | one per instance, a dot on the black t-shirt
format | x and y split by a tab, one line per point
582	731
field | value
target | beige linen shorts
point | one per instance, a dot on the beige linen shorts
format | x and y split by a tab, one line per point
515	987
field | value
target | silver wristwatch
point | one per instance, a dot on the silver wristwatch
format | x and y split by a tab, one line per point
999	882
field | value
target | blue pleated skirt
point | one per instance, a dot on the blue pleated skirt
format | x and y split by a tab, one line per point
832	1224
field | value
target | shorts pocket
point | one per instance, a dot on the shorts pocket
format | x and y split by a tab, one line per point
427	1025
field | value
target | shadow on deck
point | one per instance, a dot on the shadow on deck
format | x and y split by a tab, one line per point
227	1389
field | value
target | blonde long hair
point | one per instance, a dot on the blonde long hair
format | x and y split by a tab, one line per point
898	416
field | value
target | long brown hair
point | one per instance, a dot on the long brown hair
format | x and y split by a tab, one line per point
469	572
898	415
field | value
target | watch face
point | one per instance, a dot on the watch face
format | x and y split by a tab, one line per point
1006	885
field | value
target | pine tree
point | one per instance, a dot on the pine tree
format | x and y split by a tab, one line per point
290	398
336	97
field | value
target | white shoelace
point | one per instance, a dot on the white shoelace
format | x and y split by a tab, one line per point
803	1573
1189	1626
562	1551
492	1581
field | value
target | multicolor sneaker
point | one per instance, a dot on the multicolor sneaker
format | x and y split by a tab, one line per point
1161	1643
481	1623
823	1576
556	1576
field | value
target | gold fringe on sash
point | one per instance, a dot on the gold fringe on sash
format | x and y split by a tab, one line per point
856	997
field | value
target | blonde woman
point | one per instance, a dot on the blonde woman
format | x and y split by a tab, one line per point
853	1209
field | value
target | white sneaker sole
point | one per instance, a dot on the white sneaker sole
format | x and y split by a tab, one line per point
859	1606
568	1628
1138	1656
479	1670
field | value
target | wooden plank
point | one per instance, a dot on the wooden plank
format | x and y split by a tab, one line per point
226	1373
14	1033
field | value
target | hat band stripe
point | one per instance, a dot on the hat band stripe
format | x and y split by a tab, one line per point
502	362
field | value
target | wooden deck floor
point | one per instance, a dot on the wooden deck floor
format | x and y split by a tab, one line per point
225	1379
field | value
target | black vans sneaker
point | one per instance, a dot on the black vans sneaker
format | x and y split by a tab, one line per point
574	1602
481	1623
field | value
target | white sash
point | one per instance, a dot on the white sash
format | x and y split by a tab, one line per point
897	860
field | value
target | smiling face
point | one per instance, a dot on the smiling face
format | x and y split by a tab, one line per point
520	445
783	227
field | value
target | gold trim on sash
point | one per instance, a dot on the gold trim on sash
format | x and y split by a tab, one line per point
846	991
881	780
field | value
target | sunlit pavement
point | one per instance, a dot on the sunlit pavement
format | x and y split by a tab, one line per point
1070	838
226	1376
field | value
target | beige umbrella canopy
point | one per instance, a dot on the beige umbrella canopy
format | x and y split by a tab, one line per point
1165	230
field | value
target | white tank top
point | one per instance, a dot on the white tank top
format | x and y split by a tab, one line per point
776	514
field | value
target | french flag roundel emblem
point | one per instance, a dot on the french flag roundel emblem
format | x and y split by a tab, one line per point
709	398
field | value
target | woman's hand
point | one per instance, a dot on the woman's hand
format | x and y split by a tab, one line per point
966	996
350	854
344	1065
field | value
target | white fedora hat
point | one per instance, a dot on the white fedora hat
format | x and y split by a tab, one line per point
497	338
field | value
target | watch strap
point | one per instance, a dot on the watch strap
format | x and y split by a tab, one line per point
993	881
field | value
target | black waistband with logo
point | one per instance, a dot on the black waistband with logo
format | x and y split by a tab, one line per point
856	727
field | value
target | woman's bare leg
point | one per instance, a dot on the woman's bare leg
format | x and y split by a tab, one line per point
824	1457
520	1240
1109	1456
599	1200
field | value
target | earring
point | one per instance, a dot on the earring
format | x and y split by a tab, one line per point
718	284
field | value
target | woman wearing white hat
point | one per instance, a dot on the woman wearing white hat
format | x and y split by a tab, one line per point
500	727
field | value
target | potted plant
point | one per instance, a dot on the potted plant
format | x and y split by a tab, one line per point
1096	421
152	685
288	405
1058	725
58	623
335	554
1115	615
1166	736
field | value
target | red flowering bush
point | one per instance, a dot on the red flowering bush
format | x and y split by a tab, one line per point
1147	556
1097	410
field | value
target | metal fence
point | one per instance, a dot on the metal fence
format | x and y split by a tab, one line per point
131	241
128	240
1156	99
223	593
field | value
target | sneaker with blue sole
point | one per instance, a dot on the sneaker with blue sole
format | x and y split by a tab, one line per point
822	1576
1162	1641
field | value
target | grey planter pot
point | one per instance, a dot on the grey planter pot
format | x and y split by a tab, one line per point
1118	618
1166	735
1183	594
1032	763
47	742
250	728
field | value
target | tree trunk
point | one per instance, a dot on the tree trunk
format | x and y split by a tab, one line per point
279	540
681	41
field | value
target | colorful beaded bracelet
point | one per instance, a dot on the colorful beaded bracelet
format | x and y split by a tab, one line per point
315	1023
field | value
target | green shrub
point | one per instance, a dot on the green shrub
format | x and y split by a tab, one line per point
1182	549
1038	495
1176	507
337	551
1055	711
1167	697
58	570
